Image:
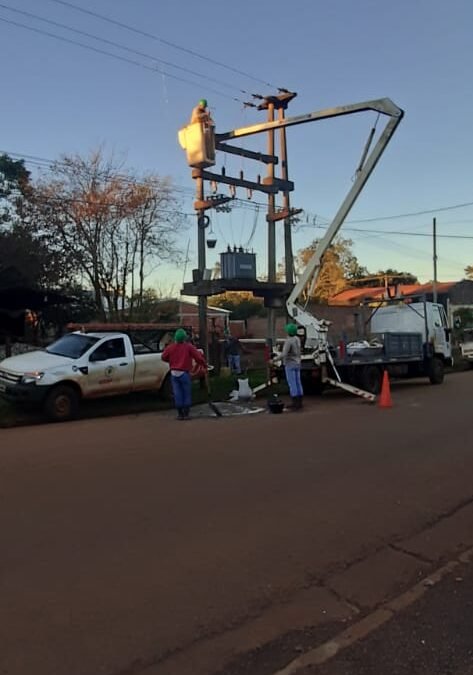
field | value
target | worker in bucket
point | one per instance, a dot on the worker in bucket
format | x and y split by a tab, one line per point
180	356
291	358
201	113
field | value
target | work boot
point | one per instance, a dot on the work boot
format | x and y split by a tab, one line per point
293	405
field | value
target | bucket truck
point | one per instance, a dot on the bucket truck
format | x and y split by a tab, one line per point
408	339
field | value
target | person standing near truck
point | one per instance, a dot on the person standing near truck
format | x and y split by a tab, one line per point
180	356
233	351
291	358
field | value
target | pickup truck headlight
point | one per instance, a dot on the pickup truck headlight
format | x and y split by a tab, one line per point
31	378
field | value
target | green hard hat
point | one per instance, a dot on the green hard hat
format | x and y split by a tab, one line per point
203	102
291	329
180	335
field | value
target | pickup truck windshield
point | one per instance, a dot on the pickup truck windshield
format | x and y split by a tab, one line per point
72	346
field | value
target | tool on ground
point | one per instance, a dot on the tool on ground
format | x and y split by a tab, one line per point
275	405
212	405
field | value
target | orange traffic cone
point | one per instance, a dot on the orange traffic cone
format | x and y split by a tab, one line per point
385	400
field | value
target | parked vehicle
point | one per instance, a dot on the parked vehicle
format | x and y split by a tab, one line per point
81	366
408	339
466	346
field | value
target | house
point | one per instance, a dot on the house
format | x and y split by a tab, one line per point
188	315
453	295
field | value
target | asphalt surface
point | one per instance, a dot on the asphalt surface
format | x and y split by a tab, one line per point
433	637
139	545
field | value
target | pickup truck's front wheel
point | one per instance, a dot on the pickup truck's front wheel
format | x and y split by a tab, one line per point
62	403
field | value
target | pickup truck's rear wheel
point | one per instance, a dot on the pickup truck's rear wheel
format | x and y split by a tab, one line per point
436	370
62	403
370	379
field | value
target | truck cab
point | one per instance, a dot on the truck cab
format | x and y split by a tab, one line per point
425	318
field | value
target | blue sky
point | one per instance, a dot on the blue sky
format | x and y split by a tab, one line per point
58	98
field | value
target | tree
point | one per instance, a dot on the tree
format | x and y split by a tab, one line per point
25	256
339	267
114	226
241	304
469	272
14	184
388	277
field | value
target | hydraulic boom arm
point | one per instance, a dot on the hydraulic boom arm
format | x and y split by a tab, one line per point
316	329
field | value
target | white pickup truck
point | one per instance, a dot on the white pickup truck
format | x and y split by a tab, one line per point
80	366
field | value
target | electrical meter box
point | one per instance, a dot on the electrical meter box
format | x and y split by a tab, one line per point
198	140
238	264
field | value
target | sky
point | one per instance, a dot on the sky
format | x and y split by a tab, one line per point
61	98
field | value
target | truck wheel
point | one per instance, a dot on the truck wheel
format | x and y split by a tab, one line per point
436	370
62	403
370	379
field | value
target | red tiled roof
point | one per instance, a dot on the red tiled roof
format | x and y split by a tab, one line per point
354	296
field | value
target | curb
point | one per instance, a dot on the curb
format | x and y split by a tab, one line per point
374	620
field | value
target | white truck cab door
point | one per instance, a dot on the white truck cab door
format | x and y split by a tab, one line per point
440	333
110	369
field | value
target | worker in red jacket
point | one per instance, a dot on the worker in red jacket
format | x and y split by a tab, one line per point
180	356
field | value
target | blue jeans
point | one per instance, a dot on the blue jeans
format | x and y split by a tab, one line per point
234	363
293	379
182	390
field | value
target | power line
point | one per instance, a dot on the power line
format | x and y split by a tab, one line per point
412	214
114	56
409	234
168	43
47	163
120	46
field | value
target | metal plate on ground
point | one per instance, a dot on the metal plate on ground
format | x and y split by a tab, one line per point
227	409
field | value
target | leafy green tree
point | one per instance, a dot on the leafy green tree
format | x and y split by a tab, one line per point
339	267
241	304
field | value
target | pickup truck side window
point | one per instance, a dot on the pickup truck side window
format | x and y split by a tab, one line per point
111	349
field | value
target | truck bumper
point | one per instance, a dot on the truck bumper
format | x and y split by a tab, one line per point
23	393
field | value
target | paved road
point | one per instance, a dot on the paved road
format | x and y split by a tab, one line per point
138	545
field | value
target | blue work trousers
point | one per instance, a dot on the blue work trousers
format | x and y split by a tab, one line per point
234	363
293	378
182	390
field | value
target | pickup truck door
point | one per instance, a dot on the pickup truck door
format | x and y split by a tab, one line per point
150	371
110	369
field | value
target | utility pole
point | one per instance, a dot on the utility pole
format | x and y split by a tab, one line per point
434	234
271	230
288	253
202	300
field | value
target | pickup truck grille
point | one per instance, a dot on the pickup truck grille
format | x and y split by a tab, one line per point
9	377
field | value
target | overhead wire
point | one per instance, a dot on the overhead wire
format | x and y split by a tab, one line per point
125	59
119	45
412	214
43	162
163	41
